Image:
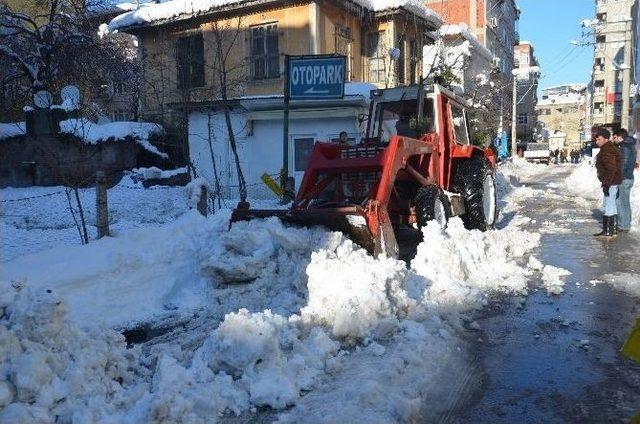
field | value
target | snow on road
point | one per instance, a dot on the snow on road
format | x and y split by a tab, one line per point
307	321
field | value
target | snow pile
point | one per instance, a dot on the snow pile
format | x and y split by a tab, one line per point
185	9
154	173
584	183
462	267
92	133
12	129
553	279
49	368
350	292
194	191
129	279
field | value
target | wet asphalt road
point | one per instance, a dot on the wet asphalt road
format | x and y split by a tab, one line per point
534	361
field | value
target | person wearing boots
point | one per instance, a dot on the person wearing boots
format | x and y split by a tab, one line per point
627	147
609	167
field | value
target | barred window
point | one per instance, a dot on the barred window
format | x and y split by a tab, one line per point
265	52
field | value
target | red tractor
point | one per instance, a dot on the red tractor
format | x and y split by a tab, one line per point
415	164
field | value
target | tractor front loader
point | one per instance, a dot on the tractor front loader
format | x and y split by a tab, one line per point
415	165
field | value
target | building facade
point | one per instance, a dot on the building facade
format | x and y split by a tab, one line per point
494	24
562	111
613	64
199	63
527	90
181	63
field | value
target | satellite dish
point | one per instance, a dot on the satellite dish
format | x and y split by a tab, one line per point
394	53
70	95
43	99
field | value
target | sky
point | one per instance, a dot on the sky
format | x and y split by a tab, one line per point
550	25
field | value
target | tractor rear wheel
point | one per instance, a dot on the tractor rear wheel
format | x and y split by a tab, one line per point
432	205
476	183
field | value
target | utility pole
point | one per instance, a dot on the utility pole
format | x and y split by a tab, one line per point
514	122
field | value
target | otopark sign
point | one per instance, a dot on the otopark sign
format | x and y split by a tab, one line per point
316	77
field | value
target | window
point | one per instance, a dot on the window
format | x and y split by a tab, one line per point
265	52
459	125
376	52
120	115
190	61
119	87
302	150
523	119
399	118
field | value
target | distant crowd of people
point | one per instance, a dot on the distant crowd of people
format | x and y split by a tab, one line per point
561	155
615	164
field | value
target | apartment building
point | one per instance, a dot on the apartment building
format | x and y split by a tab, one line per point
527	90
613	64
562	109
492	22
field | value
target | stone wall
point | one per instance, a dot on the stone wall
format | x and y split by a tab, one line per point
50	160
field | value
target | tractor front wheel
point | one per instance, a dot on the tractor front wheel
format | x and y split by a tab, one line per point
432	205
476	182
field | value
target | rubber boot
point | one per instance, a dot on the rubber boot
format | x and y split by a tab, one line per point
613	225
605	227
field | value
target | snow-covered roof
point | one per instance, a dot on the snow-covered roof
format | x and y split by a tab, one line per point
563	99
92	133
12	129
462	30
525	73
184	9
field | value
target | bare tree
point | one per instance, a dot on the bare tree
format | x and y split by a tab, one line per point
230	74
57	44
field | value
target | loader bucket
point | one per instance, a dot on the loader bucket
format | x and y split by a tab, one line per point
349	220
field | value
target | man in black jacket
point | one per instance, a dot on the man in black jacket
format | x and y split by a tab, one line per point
627	146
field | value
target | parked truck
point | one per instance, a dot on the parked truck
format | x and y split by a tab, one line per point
538	153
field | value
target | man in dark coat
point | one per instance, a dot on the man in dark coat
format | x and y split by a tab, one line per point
627	146
609	167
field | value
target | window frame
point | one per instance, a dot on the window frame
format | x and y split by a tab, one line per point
190	70
268	61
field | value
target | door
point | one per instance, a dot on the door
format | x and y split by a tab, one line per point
300	147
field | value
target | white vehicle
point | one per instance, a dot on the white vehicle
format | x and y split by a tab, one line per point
537	153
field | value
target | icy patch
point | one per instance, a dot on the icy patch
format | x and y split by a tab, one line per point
553	279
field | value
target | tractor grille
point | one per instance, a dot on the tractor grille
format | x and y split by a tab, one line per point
361	152
356	185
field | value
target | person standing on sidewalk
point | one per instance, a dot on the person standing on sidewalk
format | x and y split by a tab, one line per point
627	147
609	167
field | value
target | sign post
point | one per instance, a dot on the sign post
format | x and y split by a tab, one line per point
308	78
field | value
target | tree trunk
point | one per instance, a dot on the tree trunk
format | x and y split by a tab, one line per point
82	220
216	179
222	77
